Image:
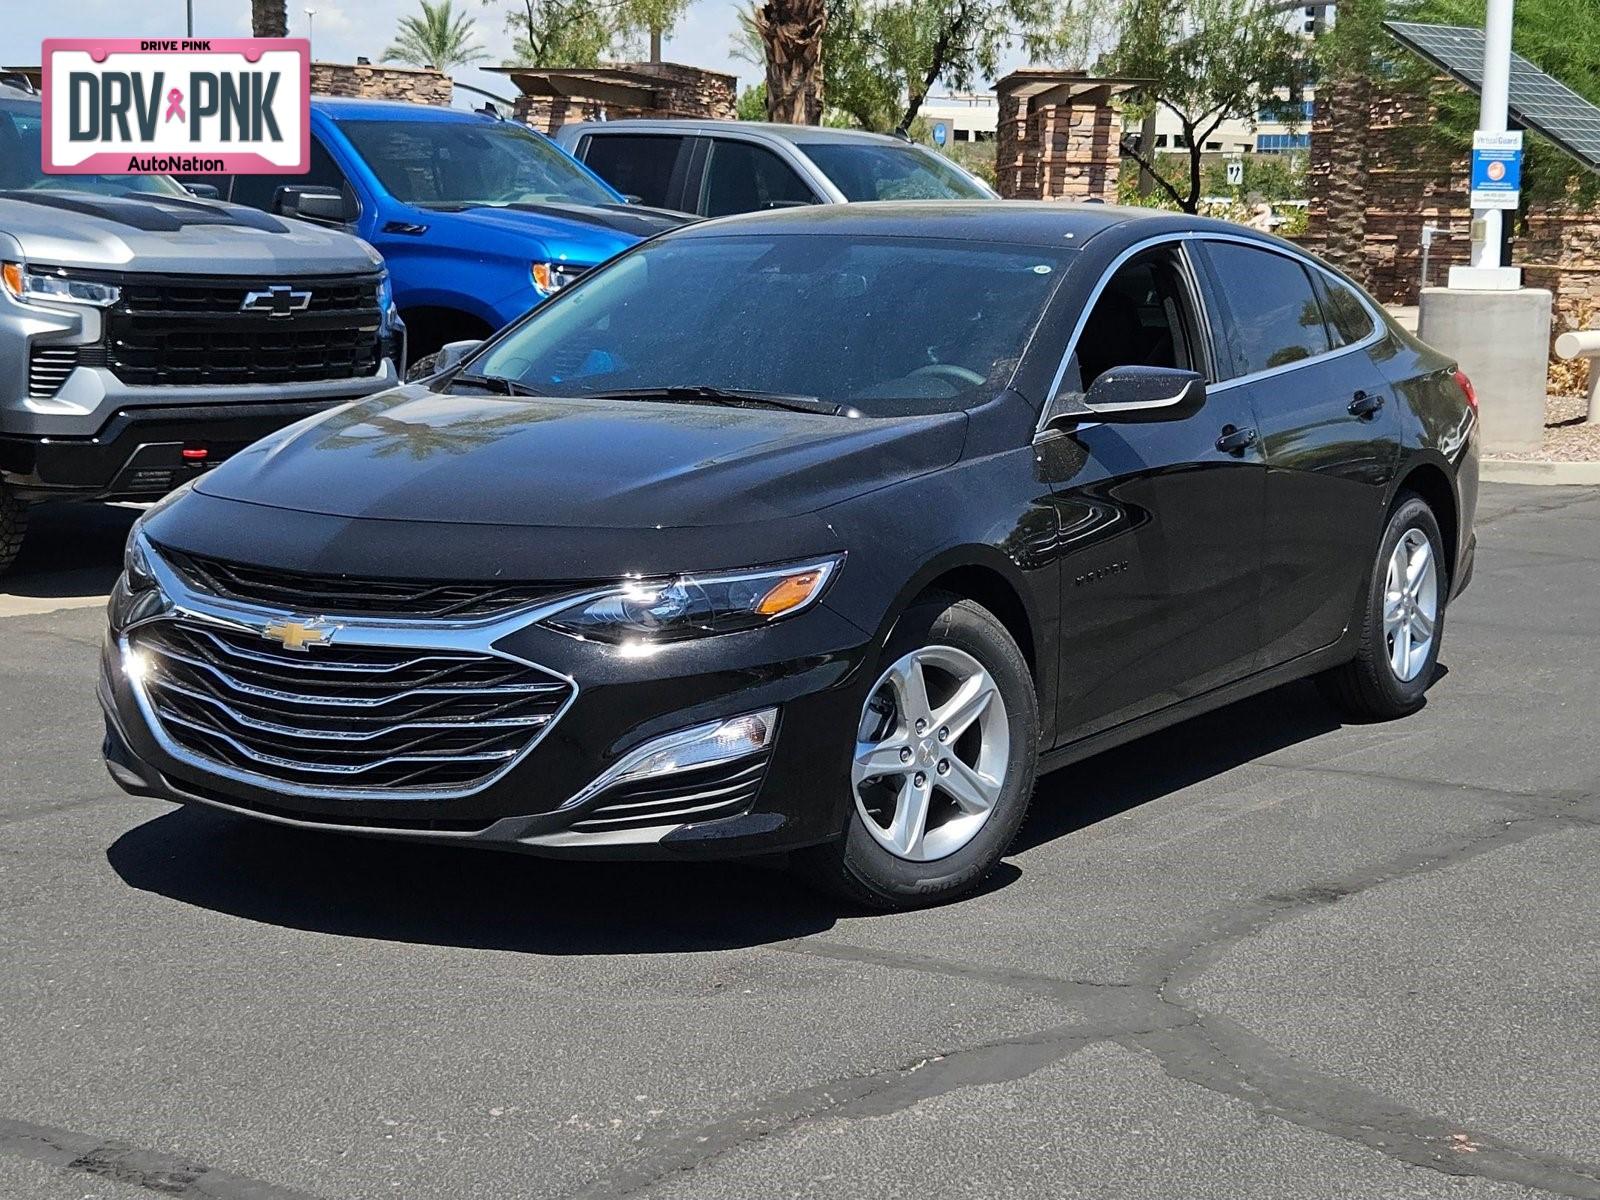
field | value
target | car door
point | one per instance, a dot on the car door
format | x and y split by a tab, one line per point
1326	422
653	167
1160	522
741	176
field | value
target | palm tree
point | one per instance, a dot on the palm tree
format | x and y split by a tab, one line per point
269	18
440	38
792	33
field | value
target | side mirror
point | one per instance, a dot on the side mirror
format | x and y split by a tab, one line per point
1128	394
310	203
445	358
203	191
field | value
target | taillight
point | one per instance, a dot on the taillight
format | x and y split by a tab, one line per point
1467	390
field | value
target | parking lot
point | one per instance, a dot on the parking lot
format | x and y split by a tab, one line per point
1260	955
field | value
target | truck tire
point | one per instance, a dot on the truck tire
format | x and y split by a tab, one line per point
13	528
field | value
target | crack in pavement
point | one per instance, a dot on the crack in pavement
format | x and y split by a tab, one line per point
165	1174
1149	1013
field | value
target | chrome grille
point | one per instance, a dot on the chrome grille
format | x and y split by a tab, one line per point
48	368
704	794
346	718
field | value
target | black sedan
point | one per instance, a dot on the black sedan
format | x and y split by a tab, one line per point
817	531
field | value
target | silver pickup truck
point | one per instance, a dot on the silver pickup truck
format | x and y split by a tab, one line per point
147	333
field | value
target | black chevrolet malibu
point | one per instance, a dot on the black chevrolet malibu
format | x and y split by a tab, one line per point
816	531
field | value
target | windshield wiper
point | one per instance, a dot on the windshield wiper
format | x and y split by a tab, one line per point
737	397
498	384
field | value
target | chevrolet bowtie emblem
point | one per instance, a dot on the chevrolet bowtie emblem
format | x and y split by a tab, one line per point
298	635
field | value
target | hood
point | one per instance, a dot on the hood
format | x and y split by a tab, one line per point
416	455
173	233
584	234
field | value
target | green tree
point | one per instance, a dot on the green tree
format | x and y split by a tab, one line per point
1207	61
579	33
752	104
440	37
883	57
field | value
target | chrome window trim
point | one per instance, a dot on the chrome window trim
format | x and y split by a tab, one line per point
1182	237
475	637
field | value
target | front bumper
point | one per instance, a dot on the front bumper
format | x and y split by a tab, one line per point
794	793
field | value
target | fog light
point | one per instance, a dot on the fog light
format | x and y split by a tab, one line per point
701	746
135	664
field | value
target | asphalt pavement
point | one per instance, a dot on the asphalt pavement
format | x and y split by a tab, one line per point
1261	955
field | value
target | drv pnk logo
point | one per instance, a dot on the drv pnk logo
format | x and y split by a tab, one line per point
208	106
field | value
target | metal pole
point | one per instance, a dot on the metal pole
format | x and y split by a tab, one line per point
191	17
1486	223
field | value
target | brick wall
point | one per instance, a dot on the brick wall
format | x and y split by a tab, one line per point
667	90
420	86
1060	151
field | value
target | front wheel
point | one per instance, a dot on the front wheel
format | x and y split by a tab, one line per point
1402	620
13	528
943	764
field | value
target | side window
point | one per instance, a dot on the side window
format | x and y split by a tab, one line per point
1276	319
1348	318
746	178
635	164
1144	317
259	191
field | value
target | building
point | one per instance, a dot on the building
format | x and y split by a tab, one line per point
1268	133
966	116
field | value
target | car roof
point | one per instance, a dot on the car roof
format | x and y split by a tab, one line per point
800	135
1024	222
346	108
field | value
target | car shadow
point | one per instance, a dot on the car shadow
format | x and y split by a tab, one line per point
481	899
72	550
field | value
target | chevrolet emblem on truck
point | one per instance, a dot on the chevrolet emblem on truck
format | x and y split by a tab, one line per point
277	301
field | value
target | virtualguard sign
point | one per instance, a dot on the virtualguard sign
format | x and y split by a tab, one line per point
202	106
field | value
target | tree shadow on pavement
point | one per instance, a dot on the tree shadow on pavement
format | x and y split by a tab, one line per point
485	899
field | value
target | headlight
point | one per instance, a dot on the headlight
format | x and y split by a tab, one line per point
550	277
136	563
697	605
27	285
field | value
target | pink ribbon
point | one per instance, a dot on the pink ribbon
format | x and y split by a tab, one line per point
175	105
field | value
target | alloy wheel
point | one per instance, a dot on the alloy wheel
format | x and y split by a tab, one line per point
932	751
1410	604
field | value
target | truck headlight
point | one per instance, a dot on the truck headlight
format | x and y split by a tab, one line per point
28	285
550	277
692	606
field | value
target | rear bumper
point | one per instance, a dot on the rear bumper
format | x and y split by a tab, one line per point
138	454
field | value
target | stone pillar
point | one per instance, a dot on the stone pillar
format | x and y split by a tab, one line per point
420	86
1057	137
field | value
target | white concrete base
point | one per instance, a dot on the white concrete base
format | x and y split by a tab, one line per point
1519	470
1486	279
1502	341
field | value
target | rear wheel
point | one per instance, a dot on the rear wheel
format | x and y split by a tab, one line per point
1402	621
943	764
13	528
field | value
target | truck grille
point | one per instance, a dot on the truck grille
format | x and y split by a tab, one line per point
329	595
48	368
194	330
705	794
350	719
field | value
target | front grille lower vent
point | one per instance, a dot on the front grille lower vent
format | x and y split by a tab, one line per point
334	595
48	368
703	794
345	718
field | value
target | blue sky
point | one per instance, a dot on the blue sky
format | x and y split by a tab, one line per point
342	30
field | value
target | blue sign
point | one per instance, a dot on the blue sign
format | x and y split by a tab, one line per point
1496	170
940	133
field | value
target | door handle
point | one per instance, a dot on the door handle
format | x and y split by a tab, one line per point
1235	440
1365	405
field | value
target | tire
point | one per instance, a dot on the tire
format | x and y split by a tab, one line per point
954	644
1371	687
13	528
423	367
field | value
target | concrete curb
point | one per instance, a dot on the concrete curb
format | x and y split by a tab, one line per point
1515	470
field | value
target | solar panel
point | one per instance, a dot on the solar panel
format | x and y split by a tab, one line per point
1537	101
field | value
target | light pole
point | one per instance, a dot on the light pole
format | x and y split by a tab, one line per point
190	6
1486	223
311	24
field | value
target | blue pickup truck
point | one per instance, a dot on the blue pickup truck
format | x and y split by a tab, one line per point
478	218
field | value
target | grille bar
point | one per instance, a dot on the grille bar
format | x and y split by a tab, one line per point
48	368
353	718
703	794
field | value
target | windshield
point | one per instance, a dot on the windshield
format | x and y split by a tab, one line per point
21	127
455	164
865	171
888	326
